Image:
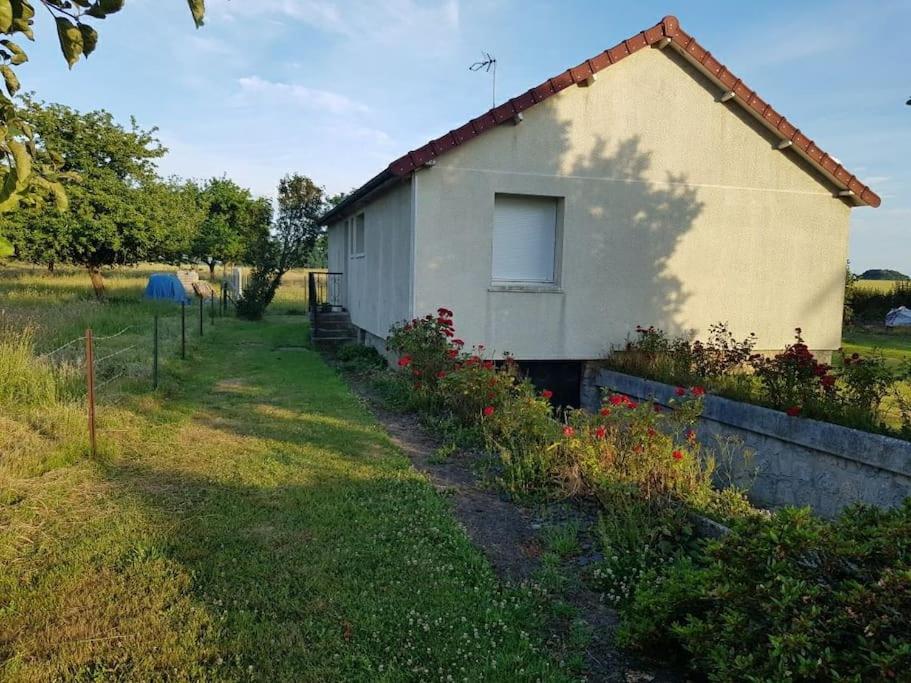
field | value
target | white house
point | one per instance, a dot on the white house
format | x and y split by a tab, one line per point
648	185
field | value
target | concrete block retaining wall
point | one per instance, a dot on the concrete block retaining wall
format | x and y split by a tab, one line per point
795	461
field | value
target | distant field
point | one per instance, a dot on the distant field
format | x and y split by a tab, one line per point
60	306
878	285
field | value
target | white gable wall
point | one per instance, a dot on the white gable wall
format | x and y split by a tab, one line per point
676	211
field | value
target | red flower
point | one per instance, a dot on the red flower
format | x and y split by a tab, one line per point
793	411
680	391
698	391
441	374
568	431
600	432
605	412
631	404
617	400
452	353
548	394
488	365
488	411
444	312
404	361
416	372
458	342
656	407
677	455
651	432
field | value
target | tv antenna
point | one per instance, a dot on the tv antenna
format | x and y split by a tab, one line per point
488	65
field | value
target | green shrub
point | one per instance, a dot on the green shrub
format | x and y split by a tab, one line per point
788	598
638	538
359	358
794	380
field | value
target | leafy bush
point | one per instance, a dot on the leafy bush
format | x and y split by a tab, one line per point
789	598
721	354
651	451
636	537
794	380
360	358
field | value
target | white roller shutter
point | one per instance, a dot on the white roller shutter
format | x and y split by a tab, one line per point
524	238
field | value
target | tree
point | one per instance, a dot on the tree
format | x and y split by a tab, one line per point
319	257
300	204
24	176
234	222
120	211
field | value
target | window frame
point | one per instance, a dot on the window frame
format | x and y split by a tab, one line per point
503	284
351	229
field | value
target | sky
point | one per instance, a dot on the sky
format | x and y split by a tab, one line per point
336	90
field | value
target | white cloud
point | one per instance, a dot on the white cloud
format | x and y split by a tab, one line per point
256	90
363	20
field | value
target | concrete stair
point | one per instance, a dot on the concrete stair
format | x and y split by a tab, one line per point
331	328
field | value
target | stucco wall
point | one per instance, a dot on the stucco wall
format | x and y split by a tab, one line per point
378	284
678	211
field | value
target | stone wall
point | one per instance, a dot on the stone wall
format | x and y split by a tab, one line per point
794	461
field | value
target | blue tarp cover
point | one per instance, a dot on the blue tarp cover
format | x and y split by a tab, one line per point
166	286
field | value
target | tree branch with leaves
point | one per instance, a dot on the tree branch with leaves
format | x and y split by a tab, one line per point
23	177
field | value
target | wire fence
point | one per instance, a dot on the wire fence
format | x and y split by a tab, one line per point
91	367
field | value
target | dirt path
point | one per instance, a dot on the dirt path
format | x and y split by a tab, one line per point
509	535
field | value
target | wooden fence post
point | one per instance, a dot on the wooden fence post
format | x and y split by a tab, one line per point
183	329
155	355
90	387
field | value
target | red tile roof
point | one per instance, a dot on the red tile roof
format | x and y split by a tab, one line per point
665	33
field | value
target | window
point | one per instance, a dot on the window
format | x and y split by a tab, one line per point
356	238
524	239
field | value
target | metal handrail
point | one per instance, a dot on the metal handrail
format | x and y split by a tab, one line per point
324	289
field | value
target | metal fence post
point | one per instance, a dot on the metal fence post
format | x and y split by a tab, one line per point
212	306
201	300
90	387
183	329
155	355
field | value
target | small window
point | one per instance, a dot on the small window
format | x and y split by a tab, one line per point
524	239
356	238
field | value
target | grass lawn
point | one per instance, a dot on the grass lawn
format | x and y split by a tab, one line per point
894	345
247	521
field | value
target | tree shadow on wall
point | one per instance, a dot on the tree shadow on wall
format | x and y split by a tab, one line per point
639	221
